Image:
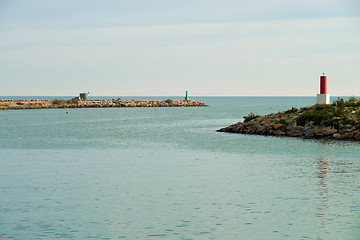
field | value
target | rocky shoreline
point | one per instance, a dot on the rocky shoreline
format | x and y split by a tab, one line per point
340	120
9	104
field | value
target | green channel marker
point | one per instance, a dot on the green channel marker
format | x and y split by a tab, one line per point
186	97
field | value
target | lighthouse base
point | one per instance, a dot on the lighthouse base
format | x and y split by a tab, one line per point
323	99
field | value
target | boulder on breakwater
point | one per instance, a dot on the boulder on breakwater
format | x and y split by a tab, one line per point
340	120
8	104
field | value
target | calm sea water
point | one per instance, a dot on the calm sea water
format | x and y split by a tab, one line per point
165	173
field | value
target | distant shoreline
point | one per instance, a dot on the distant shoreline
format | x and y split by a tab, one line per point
10	104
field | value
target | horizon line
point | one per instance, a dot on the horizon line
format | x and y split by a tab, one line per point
173	96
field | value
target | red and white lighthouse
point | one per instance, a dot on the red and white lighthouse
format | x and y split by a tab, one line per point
323	97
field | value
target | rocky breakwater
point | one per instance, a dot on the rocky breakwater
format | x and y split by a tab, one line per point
6	104
340	120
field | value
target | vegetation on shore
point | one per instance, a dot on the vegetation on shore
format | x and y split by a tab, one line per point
339	120
340	113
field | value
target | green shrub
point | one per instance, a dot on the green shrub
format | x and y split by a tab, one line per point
292	110
319	117
328	115
320	107
250	117
283	121
169	101
73	101
352	99
352	102
339	102
58	101
334	122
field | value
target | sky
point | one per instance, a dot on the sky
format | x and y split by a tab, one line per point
163	47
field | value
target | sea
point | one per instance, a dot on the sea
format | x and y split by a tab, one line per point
165	173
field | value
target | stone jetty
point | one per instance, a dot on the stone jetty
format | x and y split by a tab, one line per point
8	104
340	120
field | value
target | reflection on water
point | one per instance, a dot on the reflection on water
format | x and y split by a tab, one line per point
324	169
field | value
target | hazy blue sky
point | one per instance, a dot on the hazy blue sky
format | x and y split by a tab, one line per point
164	47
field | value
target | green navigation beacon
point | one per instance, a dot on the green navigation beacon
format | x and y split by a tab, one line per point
186	97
